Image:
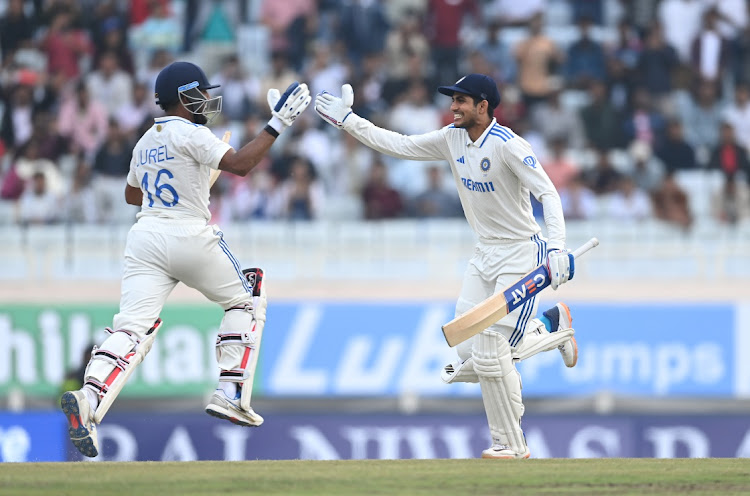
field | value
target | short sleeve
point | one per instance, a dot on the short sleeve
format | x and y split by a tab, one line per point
205	147
132	178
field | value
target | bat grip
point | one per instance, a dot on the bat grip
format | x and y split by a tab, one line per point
593	242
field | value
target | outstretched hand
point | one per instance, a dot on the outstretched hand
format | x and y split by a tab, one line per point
287	106
333	109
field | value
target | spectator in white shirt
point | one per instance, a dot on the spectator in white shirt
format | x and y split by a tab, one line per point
733	16
110	85
38	205
238	90
578	201
131	116
413	114
628	202
737	114
682	22
79	204
708	51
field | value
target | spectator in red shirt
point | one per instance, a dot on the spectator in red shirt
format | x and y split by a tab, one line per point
65	45
278	16
444	21
728	156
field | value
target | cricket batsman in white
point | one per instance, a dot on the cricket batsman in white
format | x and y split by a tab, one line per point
171	241
494	170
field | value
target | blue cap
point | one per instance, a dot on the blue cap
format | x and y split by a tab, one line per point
176	75
476	85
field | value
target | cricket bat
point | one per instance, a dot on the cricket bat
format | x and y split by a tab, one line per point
497	306
215	173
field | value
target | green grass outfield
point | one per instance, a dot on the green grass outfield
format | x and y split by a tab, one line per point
714	476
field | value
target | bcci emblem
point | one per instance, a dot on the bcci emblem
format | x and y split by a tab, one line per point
484	164
530	161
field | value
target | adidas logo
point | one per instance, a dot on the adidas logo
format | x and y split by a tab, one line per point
461	160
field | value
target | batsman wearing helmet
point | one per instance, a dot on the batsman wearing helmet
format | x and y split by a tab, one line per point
495	170
171	242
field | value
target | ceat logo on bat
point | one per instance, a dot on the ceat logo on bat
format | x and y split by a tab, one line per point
527	287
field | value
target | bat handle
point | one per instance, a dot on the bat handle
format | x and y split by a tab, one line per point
593	242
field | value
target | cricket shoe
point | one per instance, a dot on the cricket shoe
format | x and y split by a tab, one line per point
82	428
560	317
223	407
503	451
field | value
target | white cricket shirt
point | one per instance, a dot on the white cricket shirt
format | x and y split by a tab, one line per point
494	176
171	164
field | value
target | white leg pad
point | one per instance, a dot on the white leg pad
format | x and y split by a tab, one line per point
256	279
113	363
238	344
501	389
539	340
459	372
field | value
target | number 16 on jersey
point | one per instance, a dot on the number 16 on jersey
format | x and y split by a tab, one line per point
163	191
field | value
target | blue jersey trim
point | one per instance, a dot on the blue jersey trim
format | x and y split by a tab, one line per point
499	131
499	135
485	138
179	120
504	131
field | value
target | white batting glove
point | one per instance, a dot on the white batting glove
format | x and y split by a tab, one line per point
335	110
287	106
561	267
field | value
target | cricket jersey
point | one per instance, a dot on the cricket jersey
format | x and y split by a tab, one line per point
494	176
172	164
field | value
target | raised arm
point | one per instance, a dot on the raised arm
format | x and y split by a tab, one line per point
285	108
337	111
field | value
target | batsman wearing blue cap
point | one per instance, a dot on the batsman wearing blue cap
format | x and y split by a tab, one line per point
495	171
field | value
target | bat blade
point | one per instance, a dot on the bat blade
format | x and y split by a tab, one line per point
475	320
494	308
497	306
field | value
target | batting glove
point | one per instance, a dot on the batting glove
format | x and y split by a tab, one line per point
287	106
335	110
561	267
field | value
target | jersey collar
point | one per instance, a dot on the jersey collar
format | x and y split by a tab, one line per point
167	118
479	142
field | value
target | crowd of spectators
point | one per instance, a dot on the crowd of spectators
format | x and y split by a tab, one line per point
620	100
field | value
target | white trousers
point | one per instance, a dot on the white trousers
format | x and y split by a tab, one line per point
495	266
159	253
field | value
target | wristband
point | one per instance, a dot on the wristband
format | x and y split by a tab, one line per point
271	131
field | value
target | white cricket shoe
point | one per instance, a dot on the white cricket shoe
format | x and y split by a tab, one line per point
223	407
560	317
82	428
503	451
